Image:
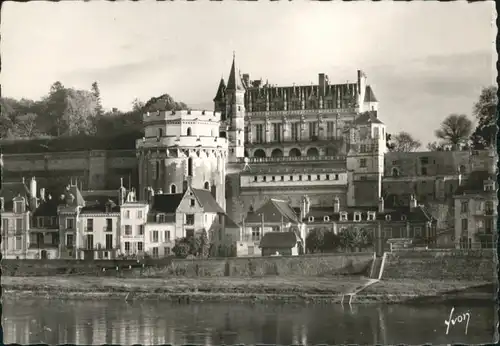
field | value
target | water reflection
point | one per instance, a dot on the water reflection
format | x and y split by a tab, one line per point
118	322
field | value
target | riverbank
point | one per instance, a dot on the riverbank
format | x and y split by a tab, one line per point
289	289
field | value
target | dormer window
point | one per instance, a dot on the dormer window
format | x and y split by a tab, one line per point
388	218
343	216
403	217
311	219
326	218
161	218
371	216
19	206
489	185
395	172
357	217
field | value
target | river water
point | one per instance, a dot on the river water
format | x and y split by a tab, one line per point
151	322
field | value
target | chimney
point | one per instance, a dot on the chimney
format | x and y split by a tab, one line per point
381	205
121	193
151	195
336	205
246	79
42	194
322	84
413	202
33	188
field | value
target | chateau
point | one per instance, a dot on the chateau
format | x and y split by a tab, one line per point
295	157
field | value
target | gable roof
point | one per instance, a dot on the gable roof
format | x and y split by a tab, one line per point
221	90
207	201
279	240
274	210
366	118
229	223
475	182
166	203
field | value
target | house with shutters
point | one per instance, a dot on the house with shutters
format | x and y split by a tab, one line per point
16	204
178	215
475	205
395	217
132	224
70	202
44	237
274	216
98	230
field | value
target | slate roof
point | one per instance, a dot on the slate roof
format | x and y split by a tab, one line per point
11	190
100	207
166	203
229	223
369	95
274	211
46	208
365	118
279	240
418	214
65	196
221	90
234	81
474	182
207	201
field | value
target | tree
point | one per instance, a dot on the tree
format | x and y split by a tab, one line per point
204	250
26	125
97	95
435	146
181	248
388	142
455	129
485	110
404	142
315	240
55	107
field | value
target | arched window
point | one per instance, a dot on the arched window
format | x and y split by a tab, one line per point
312	152
190	167
160	133
188	132
173	188
395	172
277	153
207	185
259	153
294	152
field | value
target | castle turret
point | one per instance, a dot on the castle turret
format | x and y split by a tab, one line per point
235	113
190	153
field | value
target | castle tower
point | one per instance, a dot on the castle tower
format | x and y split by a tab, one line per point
181	149
235	114
365	160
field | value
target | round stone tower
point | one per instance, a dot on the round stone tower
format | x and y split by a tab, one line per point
181	149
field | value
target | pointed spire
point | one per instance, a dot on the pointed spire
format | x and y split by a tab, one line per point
221	91
369	95
234	81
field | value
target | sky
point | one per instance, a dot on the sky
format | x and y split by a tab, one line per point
424	60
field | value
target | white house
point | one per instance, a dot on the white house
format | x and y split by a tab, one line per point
133	218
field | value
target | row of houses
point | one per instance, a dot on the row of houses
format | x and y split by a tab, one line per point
36	224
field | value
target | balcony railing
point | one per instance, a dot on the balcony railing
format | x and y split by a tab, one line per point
43	246
292	159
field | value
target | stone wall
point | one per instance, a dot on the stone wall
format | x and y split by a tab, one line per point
471	265
308	265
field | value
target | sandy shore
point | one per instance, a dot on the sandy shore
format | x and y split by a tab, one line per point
306	289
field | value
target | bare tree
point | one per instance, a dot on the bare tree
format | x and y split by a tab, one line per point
404	142
26	125
455	129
